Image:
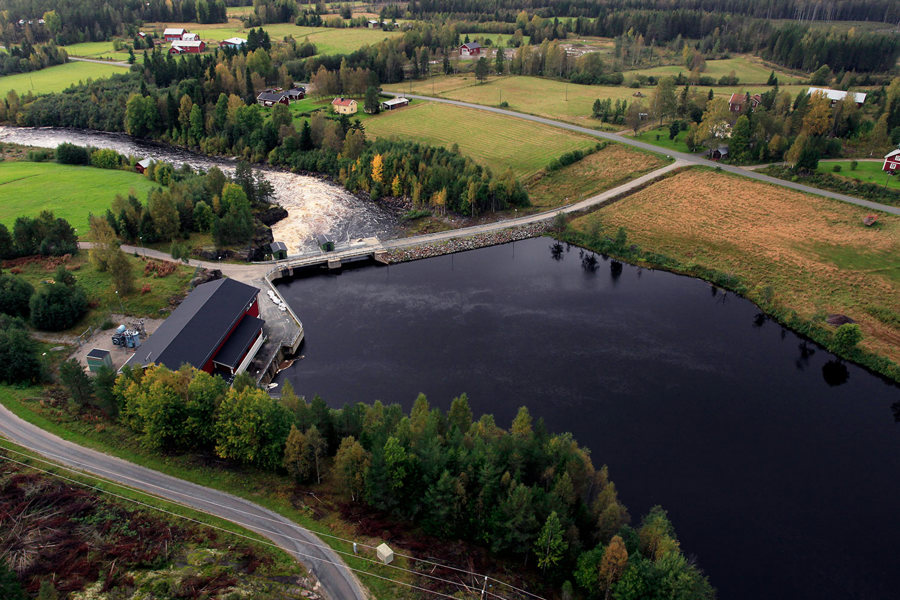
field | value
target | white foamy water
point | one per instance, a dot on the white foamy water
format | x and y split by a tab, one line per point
314	206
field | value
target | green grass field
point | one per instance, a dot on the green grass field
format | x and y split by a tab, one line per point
497	39
70	192
328	40
747	69
663	141
95	50
549	98
57	78
868	171
491	140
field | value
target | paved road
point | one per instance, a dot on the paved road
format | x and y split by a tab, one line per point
336	581
687	158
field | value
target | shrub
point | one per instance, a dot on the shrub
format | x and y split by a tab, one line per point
15	293
105	159
39	155
56	306
853	165
836	168
19	362
846	337
70	154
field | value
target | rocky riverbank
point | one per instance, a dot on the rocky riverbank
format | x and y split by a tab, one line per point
461	244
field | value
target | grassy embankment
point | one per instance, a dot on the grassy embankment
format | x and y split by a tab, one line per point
598	172
492	140
550	98
56	78
866	171
272	491
209	549
71	192
799	257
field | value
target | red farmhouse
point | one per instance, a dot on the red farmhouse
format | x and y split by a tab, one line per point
174	33
216	328
892	161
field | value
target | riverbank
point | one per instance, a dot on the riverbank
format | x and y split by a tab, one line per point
805	261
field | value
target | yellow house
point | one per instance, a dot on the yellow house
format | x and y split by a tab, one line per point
344	106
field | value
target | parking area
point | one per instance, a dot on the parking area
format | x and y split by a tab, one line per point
103	339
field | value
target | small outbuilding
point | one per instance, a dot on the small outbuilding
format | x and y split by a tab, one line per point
325	243
385	554
279	250
719	153
97	359
470	49
373	23
143	165
394	103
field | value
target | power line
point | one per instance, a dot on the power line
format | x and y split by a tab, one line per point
263	530
198	522
298	527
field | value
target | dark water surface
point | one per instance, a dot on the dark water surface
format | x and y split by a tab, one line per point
779	466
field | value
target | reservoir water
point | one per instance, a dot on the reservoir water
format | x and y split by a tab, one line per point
778	463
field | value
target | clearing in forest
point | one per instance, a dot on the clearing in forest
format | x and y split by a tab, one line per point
57	78
71	192
808	253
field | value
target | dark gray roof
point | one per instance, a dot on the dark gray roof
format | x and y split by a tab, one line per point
270	96
276	246
98	353
238	342
472	45
196	328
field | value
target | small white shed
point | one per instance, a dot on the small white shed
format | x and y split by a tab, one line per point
385	554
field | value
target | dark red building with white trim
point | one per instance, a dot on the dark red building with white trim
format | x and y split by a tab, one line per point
216	329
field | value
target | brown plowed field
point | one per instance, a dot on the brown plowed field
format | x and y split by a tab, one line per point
814	253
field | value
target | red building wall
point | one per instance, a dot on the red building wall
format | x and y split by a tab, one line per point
253	311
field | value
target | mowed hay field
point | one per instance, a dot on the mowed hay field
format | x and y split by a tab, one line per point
612	166
492	140
533	95
71	192
814	253
56	78
548	98
747	69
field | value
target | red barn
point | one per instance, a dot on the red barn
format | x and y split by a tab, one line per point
189	47
174	33
892	162
216	328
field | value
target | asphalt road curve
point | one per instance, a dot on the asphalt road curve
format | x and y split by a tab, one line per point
681	156
336	581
